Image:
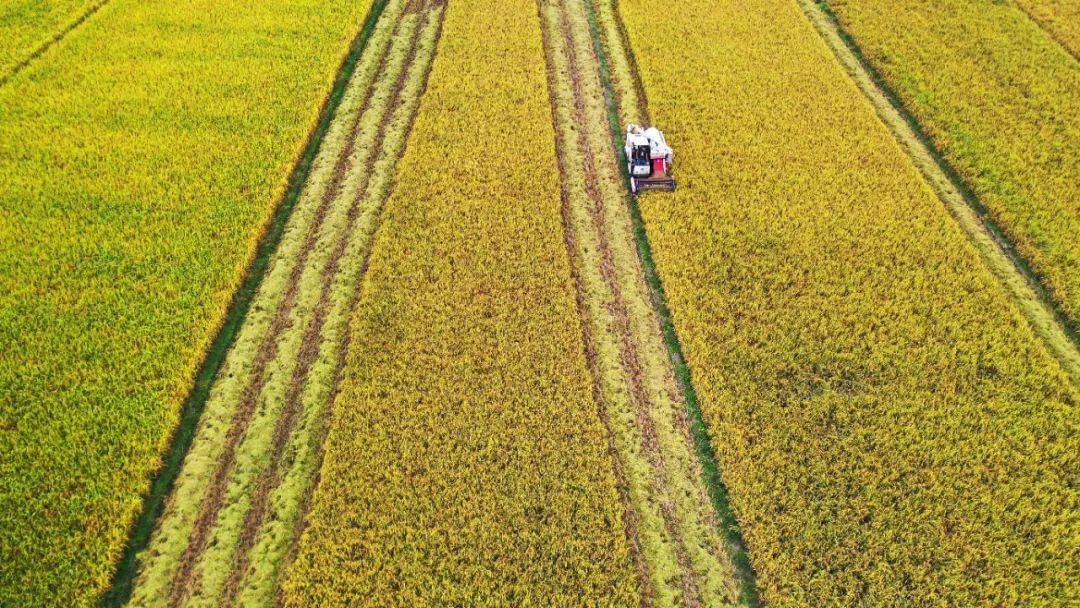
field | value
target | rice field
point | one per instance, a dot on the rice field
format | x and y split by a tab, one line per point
882	413
351	304
997	96
139	170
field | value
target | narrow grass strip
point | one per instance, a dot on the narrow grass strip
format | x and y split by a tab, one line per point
999	254
362	221
1060	19
659	562
279	530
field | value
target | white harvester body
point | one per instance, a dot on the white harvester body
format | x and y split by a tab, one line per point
648	159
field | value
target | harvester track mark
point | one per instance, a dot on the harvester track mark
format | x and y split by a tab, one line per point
628	103
628	351
630	516
634	384
271	475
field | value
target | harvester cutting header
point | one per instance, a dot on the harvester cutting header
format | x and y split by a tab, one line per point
648	159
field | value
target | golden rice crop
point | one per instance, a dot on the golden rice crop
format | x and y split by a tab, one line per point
466	464
139	161
1060	18
998	97
890	430
26	25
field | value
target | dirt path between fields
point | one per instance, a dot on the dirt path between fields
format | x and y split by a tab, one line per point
999	255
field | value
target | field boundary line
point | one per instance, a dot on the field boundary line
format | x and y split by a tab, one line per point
119	591
738	553
998	253
52	41
1050	33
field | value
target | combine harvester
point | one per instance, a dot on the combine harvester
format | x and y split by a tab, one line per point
648	159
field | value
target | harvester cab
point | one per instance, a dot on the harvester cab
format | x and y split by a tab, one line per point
648	159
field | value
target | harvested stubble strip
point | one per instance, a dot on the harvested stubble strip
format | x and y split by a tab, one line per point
631	105
892	431
279	505
681	550
334	183
998	99
141	163
465	464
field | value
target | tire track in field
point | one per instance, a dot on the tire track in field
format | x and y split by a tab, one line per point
628	353
627	102
186	579
272	475
638	396
630	516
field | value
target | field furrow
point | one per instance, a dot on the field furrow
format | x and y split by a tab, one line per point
465	464
28	28
237	505
890	429
681	549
